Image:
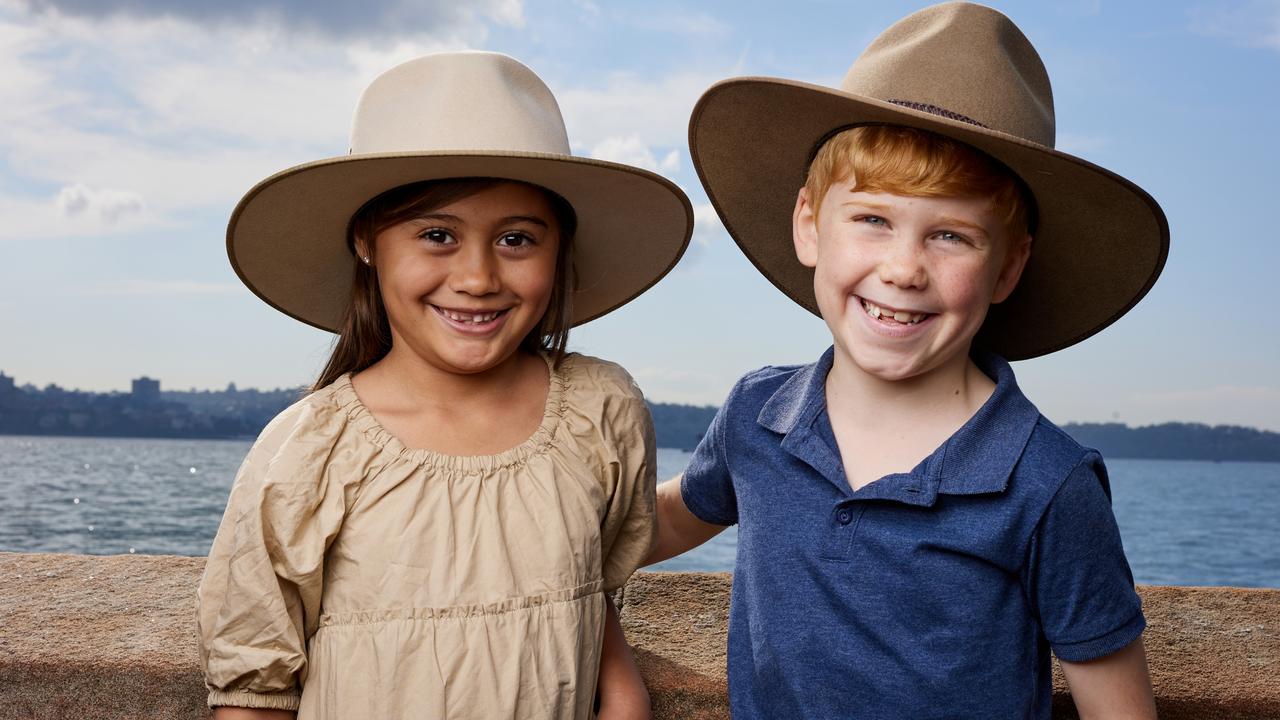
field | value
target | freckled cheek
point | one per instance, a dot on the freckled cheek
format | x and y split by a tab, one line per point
967	286
825	286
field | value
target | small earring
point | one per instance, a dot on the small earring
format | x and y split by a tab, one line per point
364	259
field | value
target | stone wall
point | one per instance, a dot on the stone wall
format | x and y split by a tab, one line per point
113	637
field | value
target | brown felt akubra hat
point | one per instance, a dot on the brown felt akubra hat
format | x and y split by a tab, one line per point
967	72
454	115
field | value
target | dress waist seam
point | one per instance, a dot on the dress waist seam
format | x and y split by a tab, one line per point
508	605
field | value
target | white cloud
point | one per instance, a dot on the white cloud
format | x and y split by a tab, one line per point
653	109
1251	24
144	119
42	218
371	59
588	7
107	204
706	224
506	12
338	19
695	24
630	149
99	114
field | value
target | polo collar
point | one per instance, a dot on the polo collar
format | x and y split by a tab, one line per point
981	455
978	458
799	400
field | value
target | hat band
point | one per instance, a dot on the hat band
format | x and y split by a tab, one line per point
935	110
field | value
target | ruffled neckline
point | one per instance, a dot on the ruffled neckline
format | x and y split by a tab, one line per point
345	396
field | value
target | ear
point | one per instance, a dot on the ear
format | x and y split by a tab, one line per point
804	230
1015	261
363	249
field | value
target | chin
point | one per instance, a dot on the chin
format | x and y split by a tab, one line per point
891	366
469	360
889	373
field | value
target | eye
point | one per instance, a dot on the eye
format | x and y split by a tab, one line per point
951	237
515	239
874	220
436	236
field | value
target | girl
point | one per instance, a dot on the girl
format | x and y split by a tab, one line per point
432	531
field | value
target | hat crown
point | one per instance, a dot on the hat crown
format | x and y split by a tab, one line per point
926	61
458	101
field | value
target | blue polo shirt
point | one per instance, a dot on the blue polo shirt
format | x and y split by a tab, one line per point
930	594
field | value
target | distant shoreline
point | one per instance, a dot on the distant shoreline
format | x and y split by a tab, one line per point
147	412
1170	441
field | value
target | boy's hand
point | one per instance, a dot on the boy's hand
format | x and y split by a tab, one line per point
1113	686
622	692
678	529
239	713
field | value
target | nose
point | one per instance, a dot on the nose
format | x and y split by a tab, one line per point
475	270
902	266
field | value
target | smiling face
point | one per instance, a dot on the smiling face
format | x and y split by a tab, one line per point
904	283
465	283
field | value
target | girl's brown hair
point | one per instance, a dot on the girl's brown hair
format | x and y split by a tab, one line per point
365	337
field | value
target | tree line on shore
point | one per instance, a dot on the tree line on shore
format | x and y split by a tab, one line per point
234	413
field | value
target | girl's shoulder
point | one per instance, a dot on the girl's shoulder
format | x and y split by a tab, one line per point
601	399
588	377
322	418
598	374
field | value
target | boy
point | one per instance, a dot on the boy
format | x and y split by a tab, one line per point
913	536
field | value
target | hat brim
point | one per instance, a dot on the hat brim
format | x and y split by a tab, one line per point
287	238
1100	243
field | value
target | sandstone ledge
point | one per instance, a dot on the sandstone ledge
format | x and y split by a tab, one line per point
113	637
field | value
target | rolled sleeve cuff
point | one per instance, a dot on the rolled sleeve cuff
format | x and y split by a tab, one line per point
694	503
259	701
1104	645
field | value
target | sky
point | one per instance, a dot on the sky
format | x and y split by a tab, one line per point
129	129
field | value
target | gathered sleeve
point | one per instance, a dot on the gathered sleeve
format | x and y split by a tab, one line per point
259	598
628	465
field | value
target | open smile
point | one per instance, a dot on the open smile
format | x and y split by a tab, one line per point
476	322
893	316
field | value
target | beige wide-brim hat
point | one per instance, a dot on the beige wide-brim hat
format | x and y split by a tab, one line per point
454	115
967	72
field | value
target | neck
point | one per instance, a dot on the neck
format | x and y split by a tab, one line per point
944	397
421	383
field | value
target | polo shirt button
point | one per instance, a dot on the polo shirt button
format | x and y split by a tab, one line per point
844	517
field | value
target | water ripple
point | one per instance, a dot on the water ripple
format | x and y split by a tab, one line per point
1183	523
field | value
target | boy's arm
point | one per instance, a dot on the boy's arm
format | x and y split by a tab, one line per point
679	530
1112	686
622	692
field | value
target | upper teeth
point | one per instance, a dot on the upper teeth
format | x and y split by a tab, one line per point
901	316
474	318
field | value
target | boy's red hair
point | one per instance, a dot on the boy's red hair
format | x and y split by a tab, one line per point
917	163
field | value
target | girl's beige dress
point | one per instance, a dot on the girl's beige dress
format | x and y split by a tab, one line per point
353	577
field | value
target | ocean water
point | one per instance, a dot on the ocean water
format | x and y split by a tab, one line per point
1183	522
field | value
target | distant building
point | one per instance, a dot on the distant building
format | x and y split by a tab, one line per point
146	390
7	389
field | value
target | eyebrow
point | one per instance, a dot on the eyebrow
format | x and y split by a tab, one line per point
878	207
446	217
964	224
948	220
531	219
